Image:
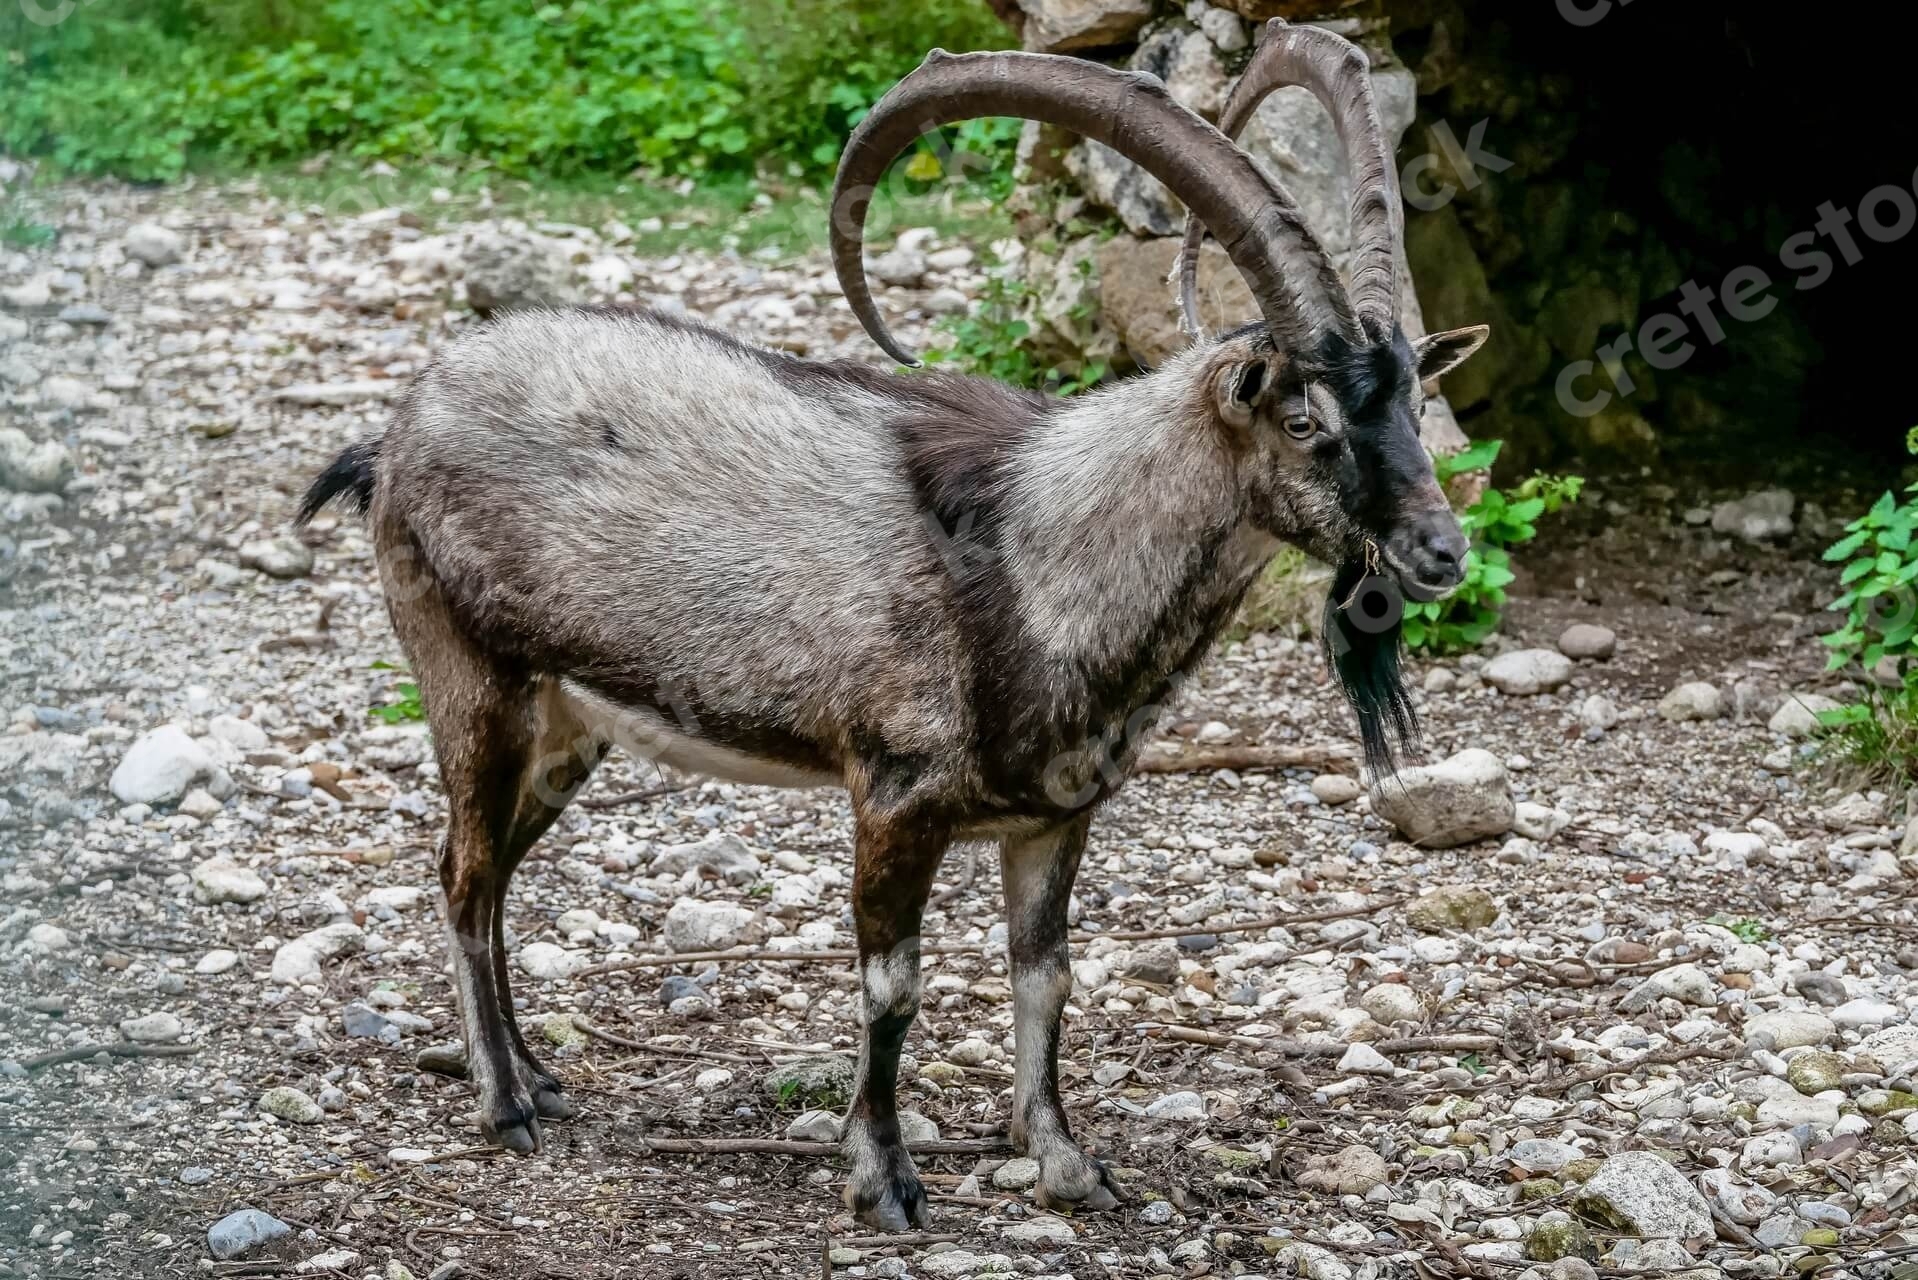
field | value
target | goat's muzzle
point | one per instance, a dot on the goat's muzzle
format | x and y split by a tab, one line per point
1426	553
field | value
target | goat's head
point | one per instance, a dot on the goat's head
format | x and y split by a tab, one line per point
1320	398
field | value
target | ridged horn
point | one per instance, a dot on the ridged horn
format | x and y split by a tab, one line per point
1251	215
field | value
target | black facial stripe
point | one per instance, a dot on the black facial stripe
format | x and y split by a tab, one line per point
1381	459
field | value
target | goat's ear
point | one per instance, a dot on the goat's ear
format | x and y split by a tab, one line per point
1241	388
1440	353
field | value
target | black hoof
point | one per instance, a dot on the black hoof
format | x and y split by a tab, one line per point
1075	1182
889	1201
552	1104
511	1124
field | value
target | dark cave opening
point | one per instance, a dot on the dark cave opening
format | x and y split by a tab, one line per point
1660	150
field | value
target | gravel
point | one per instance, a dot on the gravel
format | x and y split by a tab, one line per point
1679	932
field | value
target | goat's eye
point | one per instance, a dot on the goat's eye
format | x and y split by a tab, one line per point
1302	427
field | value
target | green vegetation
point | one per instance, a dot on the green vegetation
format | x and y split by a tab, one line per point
1881	564
1745	930
404	705
733	87
991	340
1878	735
1494	524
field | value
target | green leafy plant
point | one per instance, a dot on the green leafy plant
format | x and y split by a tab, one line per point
1877	735
1493	525
1879	602
1744	930
404	705
585	86
991	340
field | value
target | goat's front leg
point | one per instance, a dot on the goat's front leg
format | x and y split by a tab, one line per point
1038	874
894	862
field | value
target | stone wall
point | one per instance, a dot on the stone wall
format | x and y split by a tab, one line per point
1104	234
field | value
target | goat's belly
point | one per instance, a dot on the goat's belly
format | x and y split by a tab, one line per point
679	744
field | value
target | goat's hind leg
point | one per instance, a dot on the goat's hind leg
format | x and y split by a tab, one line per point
484	713
482	757
895	858
1038	875
566	750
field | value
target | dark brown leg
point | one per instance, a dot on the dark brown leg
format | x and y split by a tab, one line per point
1038	875
895	858
568	751
487	719
482	759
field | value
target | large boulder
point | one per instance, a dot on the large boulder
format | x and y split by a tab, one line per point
1528	671
693	925
1141	307
1292	137
1116	183
1640	1193
163	766
1463	798
26	467
1058	26
508	269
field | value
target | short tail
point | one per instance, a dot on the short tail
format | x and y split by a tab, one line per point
352	473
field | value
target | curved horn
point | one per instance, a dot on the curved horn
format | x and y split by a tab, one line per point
1261	228
1339	76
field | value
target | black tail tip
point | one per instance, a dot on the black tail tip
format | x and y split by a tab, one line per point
350	475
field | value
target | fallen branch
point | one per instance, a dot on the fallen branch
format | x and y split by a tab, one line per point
973	948
1248	926
1301	1049
1665	1057
1328	757
799	1147
627	1042
633	797
904	1242
119	1049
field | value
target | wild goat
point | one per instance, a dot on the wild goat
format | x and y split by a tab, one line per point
962	602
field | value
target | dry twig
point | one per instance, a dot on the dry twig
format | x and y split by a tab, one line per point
119	1049
797	1147
1665	1057
973	948
1328	757
1301	1049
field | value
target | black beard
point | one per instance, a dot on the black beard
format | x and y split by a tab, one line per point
1362	648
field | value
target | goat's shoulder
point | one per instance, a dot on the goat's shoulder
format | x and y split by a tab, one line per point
959	435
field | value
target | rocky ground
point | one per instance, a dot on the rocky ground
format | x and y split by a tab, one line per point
1641	997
